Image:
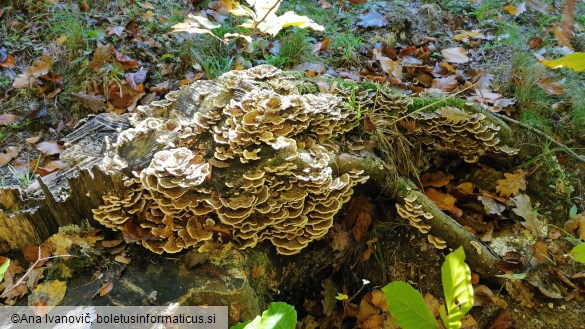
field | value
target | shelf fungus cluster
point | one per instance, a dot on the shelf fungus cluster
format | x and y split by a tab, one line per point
415	214
244	159
452	129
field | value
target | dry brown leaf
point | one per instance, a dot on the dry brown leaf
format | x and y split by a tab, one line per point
31	253
341	239
6	119
552	87
520	292
127	62
446	84
95	103
50	167
562	37
524	210
371	18
40	67
23	81
468	322
106	288
577	222
453	114
362	225
483	295
49	148
512	184
10	153
436	179
33	278
490	205
123	97
9	62
540	251
455	55
373	322
379	300
433	304
535	43
366	311
321	46
101	56
370	250
324	4
443	201
502	320
34	139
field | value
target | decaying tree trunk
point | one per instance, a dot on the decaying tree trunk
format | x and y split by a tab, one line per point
257	155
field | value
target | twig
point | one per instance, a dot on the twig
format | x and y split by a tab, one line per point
547	137
39	259
256	23
431	105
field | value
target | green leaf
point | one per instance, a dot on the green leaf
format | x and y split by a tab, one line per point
408	307
513	276
574	61
279	315
457	288
3	268
573	211
341	296
579	253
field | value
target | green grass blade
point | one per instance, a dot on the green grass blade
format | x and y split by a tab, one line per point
408	307
3	269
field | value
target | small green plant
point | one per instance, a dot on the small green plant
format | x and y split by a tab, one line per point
25	177
3	269
348	45
578	253
407	305
279	315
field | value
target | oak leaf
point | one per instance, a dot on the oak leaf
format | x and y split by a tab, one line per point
512	184
436	179
443	201
524	210
577	222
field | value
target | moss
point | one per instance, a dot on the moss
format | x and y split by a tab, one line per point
435	103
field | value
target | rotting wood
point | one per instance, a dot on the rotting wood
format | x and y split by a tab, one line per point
68	197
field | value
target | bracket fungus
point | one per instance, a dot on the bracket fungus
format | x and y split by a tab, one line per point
455	130
245	158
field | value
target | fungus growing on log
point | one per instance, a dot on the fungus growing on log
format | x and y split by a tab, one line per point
244	159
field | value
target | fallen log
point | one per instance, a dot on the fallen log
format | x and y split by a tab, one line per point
259	155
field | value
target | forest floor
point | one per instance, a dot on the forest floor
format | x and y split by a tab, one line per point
61	61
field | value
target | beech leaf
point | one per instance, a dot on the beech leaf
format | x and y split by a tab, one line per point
455	55
574	61
408	307
49	148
